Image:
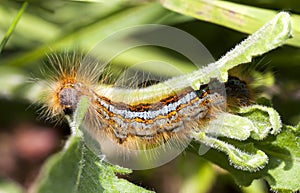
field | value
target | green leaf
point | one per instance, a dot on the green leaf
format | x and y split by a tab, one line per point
255	122
265	119
247	158
230	126
284	152
77	169
270	36
236	16
112	184
282	170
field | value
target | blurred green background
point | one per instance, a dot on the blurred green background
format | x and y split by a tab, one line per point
26	140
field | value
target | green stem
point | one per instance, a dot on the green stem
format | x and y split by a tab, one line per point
12	26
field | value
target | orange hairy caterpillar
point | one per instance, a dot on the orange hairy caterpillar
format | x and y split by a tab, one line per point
126	116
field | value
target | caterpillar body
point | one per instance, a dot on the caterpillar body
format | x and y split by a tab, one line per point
137	118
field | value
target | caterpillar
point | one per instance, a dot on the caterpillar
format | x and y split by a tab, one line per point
137	118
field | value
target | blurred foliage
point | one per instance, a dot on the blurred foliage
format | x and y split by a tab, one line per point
46	26
9	186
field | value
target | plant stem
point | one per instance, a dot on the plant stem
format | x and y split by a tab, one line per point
12	26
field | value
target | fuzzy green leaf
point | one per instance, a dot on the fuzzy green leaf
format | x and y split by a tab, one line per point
255	122
248	159
284	166
270	36
77	169
230	126
282	170
265	119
